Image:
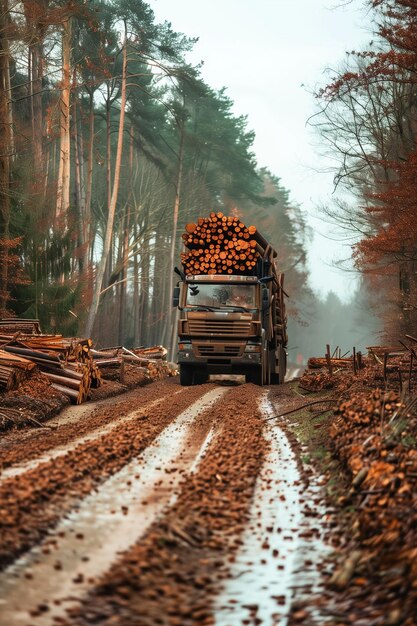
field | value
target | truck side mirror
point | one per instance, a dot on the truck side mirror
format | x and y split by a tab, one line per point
176	297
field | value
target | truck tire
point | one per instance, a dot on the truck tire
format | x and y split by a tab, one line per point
255	375
278	378
200	376
186	375
282	364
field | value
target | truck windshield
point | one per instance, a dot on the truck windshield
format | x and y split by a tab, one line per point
218	296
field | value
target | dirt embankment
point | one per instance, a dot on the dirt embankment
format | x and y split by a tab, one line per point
364	442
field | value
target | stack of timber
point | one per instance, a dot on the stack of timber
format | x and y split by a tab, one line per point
315	363
152	360
221	245
155	359
12	325
13	370
67	363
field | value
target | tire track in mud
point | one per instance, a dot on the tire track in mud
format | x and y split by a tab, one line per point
274	567
171	576
63	449
33	502
77	421
107	521
174	575
231	548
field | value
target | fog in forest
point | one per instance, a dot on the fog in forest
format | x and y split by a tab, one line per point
330	321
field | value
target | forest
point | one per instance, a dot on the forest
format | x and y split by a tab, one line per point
367	122
110	143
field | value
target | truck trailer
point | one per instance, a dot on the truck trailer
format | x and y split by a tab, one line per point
231	303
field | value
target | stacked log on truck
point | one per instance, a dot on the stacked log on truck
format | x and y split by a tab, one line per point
221	244
215	334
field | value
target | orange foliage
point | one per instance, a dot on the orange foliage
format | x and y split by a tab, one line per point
395	209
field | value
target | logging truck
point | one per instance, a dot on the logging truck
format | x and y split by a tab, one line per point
231	304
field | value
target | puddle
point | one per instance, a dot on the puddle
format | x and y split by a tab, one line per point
269	566
87	541
21	468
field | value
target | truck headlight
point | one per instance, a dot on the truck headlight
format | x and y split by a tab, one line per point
185	350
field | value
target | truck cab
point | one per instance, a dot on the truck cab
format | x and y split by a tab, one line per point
231	324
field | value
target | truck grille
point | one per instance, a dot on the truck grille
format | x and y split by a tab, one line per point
221	328
224	351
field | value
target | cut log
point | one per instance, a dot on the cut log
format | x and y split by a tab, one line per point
73	395
219	241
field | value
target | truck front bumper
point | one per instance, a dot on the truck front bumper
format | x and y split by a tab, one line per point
225	355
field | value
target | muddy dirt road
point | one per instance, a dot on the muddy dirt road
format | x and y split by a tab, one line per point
168	505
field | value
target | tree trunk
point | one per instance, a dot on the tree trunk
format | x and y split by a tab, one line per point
37	112
171	316
112	208
5	152
63	188
125	250
79	179
89	183
165	312
108	268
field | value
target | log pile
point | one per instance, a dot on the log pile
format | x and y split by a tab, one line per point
12	325
315	363
392	366
67	363
13	370
221	245
70	364
152	360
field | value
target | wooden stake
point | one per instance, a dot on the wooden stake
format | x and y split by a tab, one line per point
328	359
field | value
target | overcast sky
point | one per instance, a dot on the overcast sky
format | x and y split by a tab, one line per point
270	54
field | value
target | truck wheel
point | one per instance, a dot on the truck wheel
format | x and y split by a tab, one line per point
255	375
200	376
267	368
278	379
273	376
186	375
282	364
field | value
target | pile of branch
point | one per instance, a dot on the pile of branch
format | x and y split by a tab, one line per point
13	370
337	370
398	363
220	245
374	435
